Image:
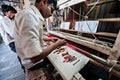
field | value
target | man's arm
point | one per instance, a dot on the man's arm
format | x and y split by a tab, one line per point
30	42
47	51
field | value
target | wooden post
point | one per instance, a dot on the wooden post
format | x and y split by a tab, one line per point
21	4
115	51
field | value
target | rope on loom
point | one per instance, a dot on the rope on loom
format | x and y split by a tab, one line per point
76	12
92	7
86	17
91	31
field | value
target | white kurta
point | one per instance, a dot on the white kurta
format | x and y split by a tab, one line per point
29	33
7	30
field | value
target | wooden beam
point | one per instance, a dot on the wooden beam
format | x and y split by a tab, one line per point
61	2
114	72
116	48
110	19
21	4
100	62
70	3
92	45
100	2
114	35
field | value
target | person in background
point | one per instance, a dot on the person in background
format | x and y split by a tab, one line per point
29	38
7	27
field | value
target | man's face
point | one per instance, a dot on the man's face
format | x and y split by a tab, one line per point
45	10
10	14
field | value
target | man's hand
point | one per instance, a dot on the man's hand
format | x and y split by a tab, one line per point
54	39
61	42
45	38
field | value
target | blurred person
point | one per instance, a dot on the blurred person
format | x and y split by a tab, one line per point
7	27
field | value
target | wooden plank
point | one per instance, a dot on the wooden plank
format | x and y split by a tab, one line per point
61	2
21	4
70	3
92	45
114	35
100	2
116	48
96	61
110	19
102	63
114	72
106	34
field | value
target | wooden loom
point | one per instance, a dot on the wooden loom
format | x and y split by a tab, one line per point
103	52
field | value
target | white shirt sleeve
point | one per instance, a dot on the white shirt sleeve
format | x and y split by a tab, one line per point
29	35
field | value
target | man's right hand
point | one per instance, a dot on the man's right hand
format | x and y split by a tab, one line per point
61	42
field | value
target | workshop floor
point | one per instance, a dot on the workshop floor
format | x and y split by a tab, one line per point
10	68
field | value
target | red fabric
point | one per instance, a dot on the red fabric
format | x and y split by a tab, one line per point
70	45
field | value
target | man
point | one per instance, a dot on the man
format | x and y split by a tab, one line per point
7	27
29	34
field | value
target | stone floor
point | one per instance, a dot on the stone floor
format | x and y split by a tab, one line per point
10	68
